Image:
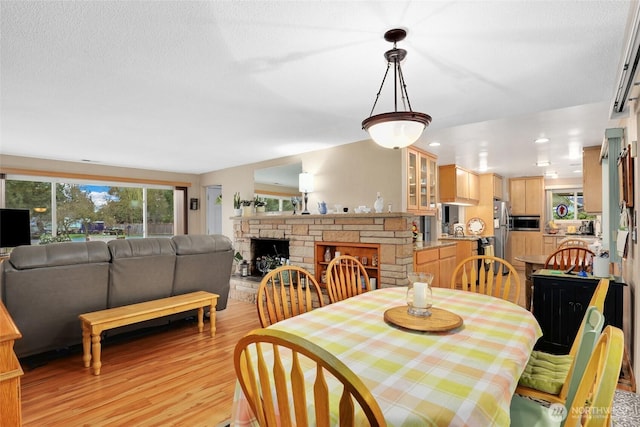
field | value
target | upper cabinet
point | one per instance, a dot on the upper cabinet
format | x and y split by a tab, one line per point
422	182
458	185
497	186
527	195
592	179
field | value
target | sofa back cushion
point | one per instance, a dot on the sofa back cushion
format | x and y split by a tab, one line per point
141	270
46	287
203	264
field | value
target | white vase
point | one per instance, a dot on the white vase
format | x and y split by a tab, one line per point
378	205
237	212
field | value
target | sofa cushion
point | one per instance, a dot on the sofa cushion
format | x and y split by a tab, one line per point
56	254
203	263
46	287
140	270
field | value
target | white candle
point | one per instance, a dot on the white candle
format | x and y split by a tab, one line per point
420	295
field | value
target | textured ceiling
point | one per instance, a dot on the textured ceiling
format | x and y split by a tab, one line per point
197	86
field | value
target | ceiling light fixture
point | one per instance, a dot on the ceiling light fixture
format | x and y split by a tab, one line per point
543	163
541	140
397	129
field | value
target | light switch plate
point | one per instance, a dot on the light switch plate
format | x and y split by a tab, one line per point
634	149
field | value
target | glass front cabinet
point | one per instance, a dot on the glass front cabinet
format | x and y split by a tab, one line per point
422	177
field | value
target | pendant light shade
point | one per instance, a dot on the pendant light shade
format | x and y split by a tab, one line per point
397	129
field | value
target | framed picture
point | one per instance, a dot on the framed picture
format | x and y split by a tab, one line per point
625	176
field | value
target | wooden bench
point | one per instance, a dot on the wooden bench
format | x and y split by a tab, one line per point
93	324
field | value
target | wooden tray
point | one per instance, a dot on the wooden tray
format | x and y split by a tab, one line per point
439	321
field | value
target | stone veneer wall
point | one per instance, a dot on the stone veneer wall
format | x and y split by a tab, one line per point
391	230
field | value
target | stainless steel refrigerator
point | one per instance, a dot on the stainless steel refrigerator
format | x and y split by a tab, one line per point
501	227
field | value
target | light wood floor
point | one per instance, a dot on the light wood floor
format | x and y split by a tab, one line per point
170	377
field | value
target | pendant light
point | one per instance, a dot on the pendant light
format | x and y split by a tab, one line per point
397	129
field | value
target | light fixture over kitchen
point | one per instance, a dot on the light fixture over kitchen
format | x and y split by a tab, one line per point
396	129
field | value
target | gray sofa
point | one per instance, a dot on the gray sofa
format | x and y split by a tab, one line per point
46	287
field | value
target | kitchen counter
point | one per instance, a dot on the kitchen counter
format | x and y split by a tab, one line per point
471	238
433	245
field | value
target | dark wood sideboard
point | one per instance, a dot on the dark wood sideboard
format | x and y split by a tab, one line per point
560	301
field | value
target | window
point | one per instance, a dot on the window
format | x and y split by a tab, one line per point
277	203
567	204
81	211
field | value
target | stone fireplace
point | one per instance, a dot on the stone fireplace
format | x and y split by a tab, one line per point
392	231
261	247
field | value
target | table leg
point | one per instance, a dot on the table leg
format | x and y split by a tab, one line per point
86	345
200	319
95	350
212	316
528	284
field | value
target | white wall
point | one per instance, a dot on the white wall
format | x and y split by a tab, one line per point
349	175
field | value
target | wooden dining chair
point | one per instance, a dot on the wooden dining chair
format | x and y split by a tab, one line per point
285	292
487	275
575	257
346	277
271	366
593	399
554	378
573	241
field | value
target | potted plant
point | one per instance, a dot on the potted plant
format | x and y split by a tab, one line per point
246	210
260	204
237	206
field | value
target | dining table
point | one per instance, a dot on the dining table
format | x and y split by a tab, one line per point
463	376
532	263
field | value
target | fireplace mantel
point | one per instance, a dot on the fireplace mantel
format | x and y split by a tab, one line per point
391	230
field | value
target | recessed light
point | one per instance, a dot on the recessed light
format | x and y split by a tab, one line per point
577	171
543	163
541	140
434	144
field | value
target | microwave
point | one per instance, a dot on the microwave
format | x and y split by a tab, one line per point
524	223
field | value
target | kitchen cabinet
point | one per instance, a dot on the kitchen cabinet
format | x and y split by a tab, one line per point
526	195
370	251
489	185
592	179
465	247
440	261
549	244
559	304
422	182
458	185
524	243
497	186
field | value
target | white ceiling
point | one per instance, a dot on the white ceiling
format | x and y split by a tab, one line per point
197	86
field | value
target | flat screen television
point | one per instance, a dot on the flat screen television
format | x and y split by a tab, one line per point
15	228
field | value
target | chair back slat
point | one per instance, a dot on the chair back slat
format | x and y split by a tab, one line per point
489	275
281	372
345	276
286	292
579	258
594	396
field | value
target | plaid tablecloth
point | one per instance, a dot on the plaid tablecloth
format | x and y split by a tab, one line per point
464	377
